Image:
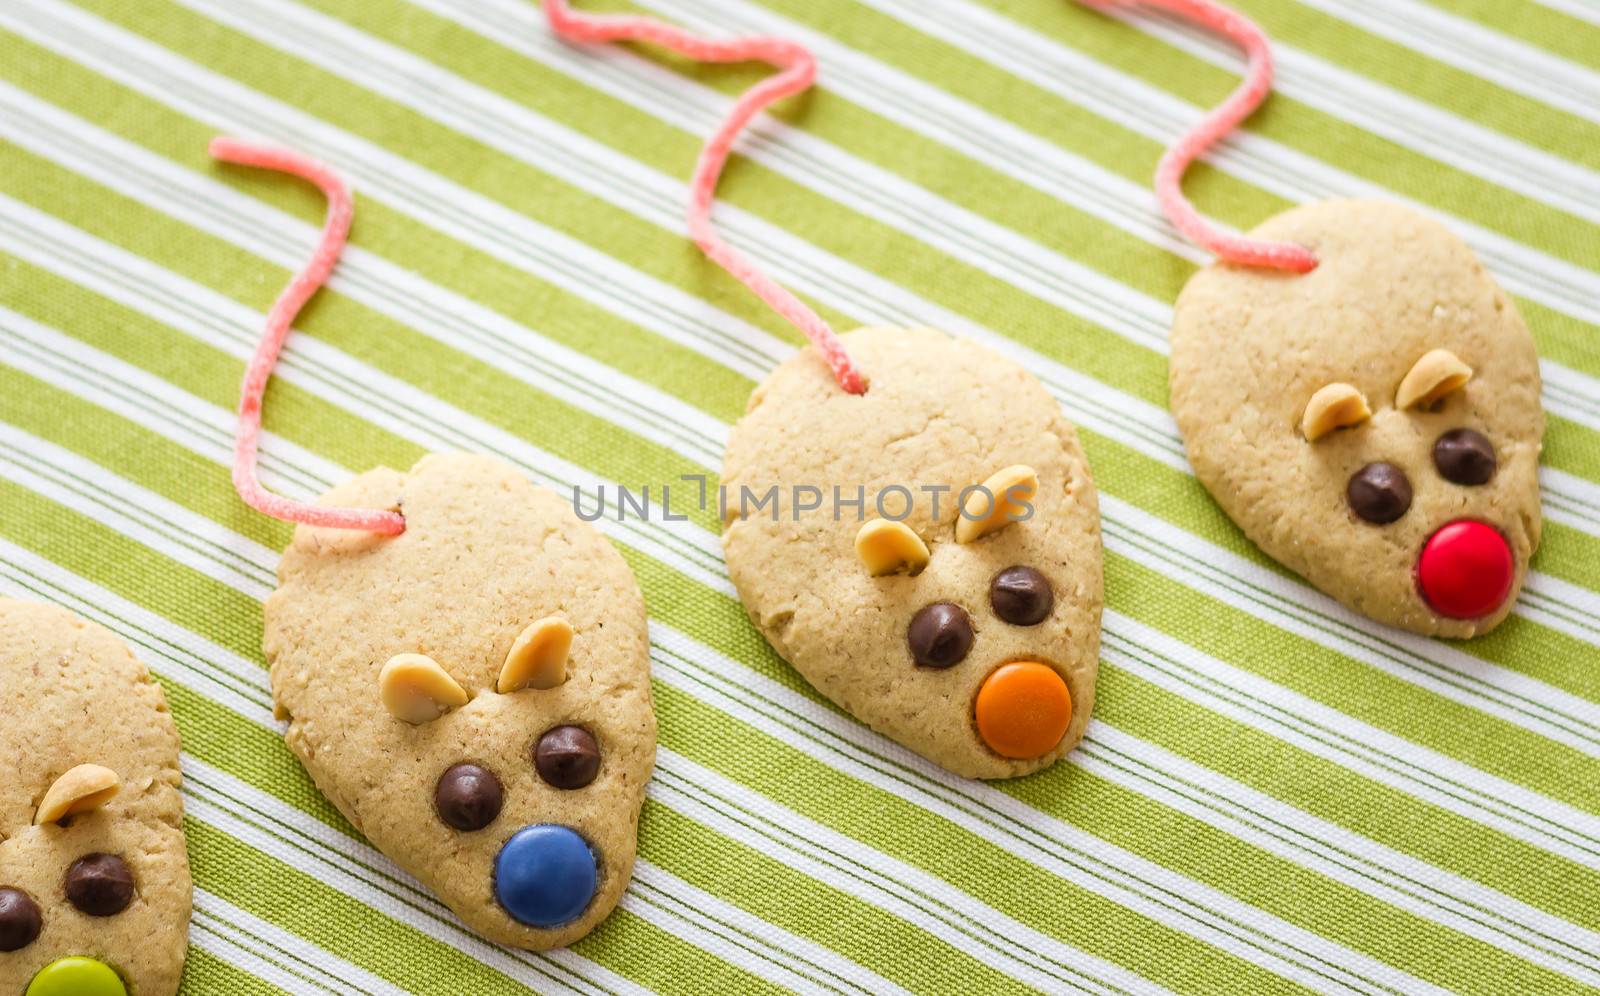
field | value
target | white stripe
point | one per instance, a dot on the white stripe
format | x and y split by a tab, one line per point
157	405
1398	117
1068	852
1298	608
133	497
366	875
1342	855
1508	62
847	179
759	947
139	174
238	930
1374	753
1583	10
207	934
51	356
387	288
457	211
863	187
845	864
185	657
1420	772
403	77
184	523
1155	113
1294	606
71	481
668	636
1562	606
1129	420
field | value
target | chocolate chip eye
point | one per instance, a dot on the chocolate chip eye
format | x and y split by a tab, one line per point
1021	596
100	884
940	635
468	797
20	920
1464	456
567	757
1379	492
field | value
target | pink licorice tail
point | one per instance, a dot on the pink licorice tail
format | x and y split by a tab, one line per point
305	283
1213	128
798	71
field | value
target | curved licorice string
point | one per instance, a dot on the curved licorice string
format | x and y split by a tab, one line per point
305	283
798	70
1213	128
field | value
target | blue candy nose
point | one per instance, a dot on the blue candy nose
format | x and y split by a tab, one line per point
545	875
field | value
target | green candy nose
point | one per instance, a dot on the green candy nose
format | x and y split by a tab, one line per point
76	976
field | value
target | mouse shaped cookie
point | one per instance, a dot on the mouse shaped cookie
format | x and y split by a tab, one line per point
94	877
956	607
474	693
1373	424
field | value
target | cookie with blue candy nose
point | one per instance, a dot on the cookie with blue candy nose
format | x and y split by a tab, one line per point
474	693
94	876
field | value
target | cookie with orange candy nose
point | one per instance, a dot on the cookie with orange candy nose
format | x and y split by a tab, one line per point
1373	424
927	554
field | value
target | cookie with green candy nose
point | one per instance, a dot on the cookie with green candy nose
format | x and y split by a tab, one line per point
94	876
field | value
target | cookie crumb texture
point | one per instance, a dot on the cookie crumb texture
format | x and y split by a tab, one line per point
938	412
1250	349
484	554
74	694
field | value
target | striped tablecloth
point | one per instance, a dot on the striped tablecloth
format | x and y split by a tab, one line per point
1275	795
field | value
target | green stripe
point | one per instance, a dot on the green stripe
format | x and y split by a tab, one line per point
1533	22
1479	739
778	894
958	856
1408	71
204	973
1284	120
1335	793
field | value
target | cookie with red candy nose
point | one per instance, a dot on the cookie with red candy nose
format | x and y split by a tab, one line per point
1375	424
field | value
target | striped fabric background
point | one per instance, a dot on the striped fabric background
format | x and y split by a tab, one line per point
1275	797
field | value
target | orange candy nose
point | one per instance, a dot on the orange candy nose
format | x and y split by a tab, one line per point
1023	710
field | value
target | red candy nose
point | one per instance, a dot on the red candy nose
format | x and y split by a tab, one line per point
1465	570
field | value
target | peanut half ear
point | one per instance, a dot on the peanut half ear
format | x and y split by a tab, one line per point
1336	406
538	657
1008	491
888	547
84	788
1439	373
415	689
